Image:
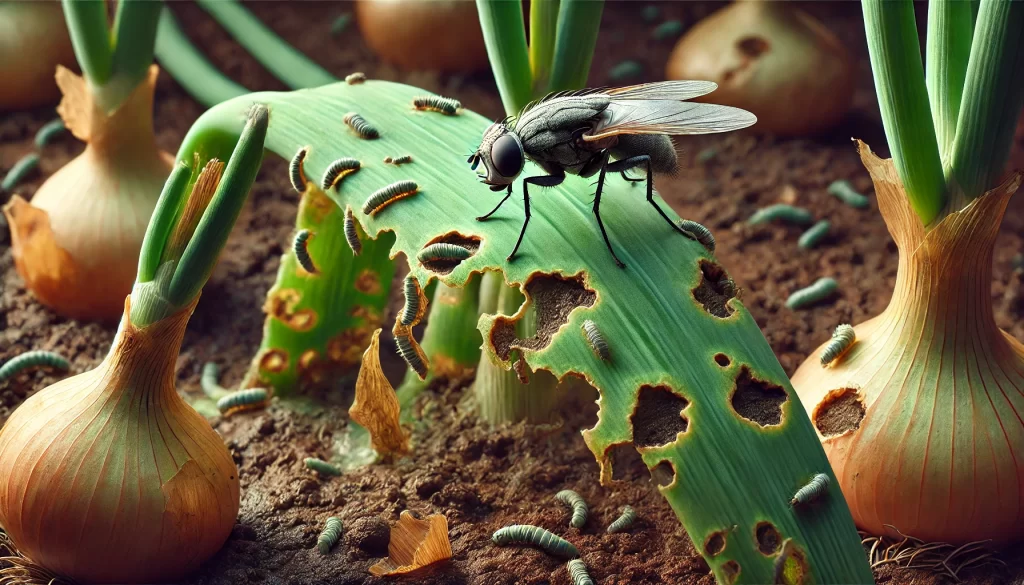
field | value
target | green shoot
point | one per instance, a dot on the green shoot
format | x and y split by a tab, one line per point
992	98
284	61
903	99
543	27
90	36
578	24
950	28
189	67
505	37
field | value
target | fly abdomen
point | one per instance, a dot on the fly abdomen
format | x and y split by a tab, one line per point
658	146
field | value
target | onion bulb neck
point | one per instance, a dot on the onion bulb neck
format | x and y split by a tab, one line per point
922	417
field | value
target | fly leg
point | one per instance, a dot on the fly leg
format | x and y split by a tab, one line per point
635	161
540	181
500	203
627	178
597	208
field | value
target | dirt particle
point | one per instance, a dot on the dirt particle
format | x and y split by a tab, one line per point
768	538
758	401
715	290
370	535
841	411
428	485
722	360
714	544
554	297
731	571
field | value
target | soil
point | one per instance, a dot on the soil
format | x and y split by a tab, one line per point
482	478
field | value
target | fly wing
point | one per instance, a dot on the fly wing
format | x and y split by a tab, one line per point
667	117
662	90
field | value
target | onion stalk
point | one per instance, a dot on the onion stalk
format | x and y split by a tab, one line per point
34	41
922	417
76	244
110	476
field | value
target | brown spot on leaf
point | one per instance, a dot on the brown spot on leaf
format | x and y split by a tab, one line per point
658	417
791	566
274	360
722	360
841	411
714	544
768	538
756	400
368	282
554	297
281	304
714	290
730	571
471	243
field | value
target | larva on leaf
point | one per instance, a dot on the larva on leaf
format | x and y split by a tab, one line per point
360	126
815	489
437	103
385	196
301	247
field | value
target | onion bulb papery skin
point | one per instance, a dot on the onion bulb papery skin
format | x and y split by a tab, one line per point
33	41
773	60
939	452
110	477
77	243
424	35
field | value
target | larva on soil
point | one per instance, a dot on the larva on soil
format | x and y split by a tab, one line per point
49	131
243	400
781	212
538	537
578	573
814	234
321	466
578	505
821	289
336	171
816	488
19	171
596	340
329	536
385	196
624	521
31	360
845	192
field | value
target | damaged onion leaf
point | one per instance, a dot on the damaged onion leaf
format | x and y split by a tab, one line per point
726	469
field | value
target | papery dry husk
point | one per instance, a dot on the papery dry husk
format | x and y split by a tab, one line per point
376	405
773	60
939	453
110	477
77	243
415	545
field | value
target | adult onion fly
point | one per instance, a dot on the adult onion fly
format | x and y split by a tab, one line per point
578	132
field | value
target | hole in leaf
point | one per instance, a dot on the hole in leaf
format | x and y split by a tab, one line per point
714	544
663	474
722	360
274	361
627	465
769	541
758	401
715	290
752	47
554	297
841	411
731	571
658	417
446	265
792	569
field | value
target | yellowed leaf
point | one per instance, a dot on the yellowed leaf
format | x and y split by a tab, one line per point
376	405
415	544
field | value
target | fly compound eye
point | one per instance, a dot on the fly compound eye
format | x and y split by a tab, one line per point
507	156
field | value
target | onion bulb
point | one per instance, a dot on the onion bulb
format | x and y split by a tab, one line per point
33	40
773	60
424	35
77	243
923	417
110	477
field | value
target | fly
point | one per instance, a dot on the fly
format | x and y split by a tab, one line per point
578	132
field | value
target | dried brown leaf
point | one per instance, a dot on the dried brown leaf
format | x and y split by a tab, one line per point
376	405
415	544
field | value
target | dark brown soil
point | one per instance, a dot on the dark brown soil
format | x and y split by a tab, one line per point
480	478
